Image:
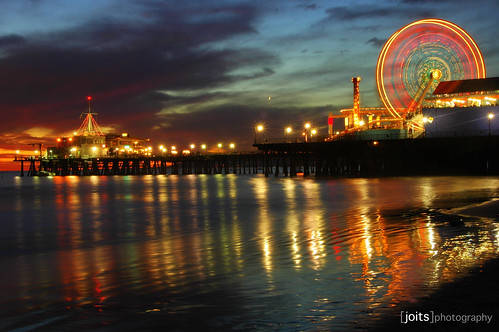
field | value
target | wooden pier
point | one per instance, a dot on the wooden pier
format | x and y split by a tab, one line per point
175	165
343	158
465	155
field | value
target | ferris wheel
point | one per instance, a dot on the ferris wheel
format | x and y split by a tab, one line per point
420	54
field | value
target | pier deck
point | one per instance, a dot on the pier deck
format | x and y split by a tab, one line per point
342	158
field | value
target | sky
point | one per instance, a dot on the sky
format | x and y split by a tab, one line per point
200	72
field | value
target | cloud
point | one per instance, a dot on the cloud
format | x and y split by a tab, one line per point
38	132
376	42
12	40
312	6
364	12
112	59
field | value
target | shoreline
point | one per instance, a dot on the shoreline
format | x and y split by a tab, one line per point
474	293
487	209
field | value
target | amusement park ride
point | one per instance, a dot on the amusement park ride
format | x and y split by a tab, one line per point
411	64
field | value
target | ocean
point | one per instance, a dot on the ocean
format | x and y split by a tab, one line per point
230	252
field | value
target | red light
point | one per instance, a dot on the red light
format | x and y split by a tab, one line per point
89	98
329	121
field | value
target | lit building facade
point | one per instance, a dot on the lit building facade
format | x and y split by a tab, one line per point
463	108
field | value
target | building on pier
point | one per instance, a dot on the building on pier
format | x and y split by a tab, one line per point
90	142
463	108
455	108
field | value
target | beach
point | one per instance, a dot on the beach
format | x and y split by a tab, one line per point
462	305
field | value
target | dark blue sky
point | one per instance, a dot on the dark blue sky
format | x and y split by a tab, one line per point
182	72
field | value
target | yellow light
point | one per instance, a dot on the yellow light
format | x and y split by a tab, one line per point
232	145
193	146
307	125
491	116
361	122
289	130
203	146
161	147
436	74
259	128
174	147
17	151
314	131
219	145
94	148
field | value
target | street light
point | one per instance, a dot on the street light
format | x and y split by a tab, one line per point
305	134
490	116
259	128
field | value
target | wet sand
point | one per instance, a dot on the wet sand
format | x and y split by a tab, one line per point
476	293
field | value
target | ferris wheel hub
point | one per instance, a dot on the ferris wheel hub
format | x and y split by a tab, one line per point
436	74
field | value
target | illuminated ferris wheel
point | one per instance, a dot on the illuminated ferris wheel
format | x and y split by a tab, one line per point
419	55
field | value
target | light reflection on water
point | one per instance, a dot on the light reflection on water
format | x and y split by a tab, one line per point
227	251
